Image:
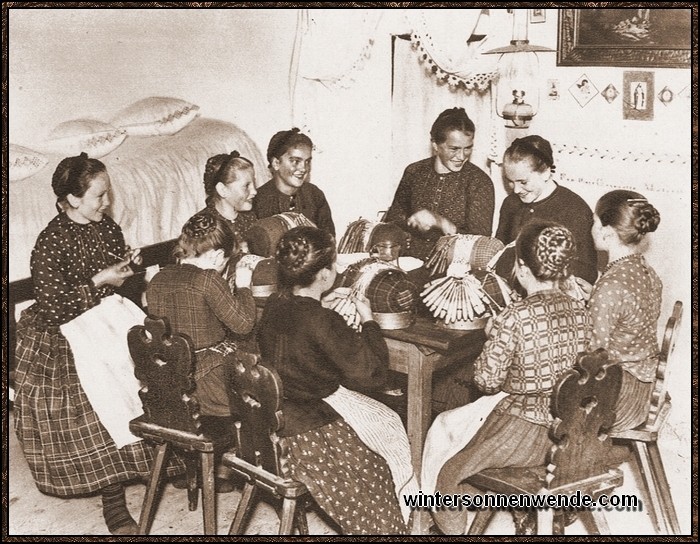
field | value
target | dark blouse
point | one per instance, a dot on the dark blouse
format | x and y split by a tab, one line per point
309	200
466	198
65	258
314	351
240	225
563	206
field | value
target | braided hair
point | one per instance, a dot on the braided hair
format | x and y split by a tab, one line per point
301	253
629	213
204	231
533	148
547	249
285	140
73	176
217	171
449	120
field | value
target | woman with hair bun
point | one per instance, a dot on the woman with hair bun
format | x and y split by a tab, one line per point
198	302
289	190
625	302
530	345
444	194
229	183
78	261
351	451
528	167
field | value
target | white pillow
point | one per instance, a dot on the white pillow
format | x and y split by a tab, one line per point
156	116
85	135
25	162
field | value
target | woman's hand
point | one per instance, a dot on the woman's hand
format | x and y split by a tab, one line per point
333	296
113	275
244	273
363	307
134	255
424	220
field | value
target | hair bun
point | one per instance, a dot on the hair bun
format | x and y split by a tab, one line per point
555	250
647	219
199	225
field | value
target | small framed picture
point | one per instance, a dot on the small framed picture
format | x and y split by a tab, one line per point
537	15
583	90
638	96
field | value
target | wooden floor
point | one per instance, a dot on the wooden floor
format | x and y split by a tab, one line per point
33	513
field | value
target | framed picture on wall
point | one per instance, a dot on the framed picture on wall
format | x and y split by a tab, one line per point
638	96
624	37
538	15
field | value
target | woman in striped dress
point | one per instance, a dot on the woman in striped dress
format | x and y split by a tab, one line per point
351	451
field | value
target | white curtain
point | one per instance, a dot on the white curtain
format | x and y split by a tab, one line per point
341	89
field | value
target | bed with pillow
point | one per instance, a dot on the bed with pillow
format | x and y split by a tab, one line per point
155	151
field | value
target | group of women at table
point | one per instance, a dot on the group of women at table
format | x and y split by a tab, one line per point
349	449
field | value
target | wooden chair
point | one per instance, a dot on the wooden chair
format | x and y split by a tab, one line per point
164	363
258	456
583	405
644	439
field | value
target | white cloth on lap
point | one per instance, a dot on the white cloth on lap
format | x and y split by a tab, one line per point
450	432
98	341
382	431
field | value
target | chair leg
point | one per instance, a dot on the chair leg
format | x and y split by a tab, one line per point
481	521
243	508
287	521
191	466
649	484
149	501
668	509
594	521
208	493
300	518
545	521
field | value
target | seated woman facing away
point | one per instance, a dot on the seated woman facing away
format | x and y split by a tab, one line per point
530	345
198	302
625	302
351	451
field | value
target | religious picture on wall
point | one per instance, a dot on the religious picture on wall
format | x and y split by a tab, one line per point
638	95
583	90
553	89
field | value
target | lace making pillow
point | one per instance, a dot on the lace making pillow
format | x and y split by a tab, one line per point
25	162
155	116
95	138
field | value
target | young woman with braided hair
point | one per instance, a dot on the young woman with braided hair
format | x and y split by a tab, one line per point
198	302
625	302
351	451
229	183
529	347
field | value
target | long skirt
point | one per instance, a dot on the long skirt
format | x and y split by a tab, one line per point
381	430
503	441
632	408
68	450
351	483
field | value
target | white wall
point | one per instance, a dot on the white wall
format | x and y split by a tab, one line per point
77	63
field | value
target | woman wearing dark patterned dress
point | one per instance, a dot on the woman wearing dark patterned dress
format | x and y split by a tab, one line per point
229	182
289	159
445	194
530	345
625	302
351	451
78	260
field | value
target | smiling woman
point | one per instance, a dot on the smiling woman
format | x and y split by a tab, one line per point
444	194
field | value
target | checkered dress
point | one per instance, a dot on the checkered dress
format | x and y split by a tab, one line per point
68	450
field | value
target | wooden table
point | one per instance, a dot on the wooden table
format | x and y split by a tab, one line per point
419	351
